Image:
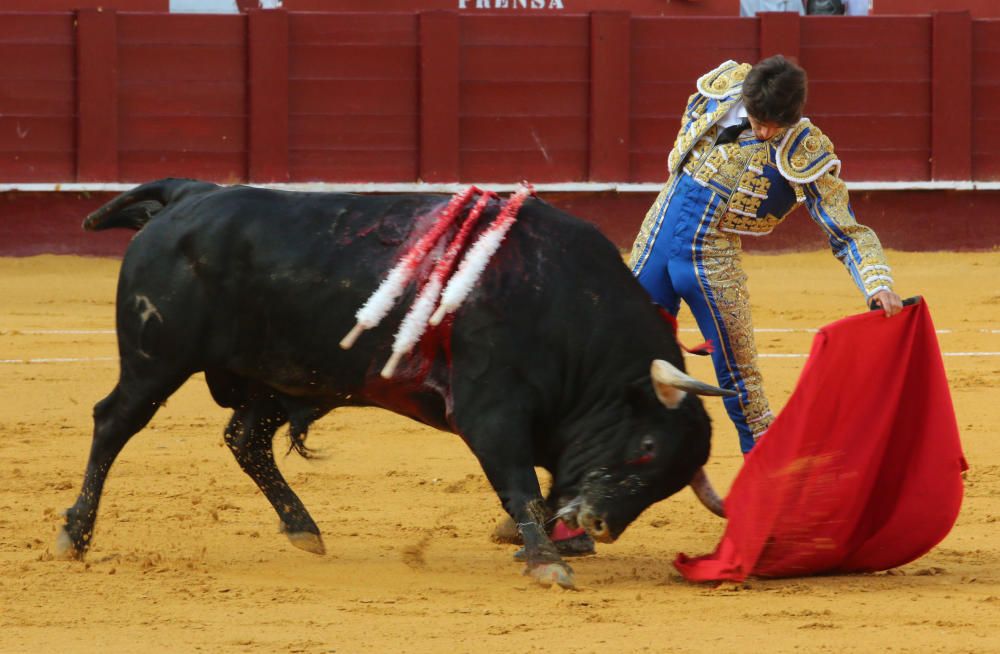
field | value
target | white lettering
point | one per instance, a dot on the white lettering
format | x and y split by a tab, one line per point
501	4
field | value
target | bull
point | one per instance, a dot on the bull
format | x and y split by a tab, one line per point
556	359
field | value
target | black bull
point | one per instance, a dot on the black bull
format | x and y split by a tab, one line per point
549	362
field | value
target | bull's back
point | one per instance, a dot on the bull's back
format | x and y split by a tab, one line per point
267	282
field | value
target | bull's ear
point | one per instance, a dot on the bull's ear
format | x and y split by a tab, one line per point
665	383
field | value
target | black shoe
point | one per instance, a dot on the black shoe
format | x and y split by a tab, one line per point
580	545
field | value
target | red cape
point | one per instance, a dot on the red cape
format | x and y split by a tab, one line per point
862	471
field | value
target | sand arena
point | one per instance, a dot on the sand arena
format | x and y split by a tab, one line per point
187	557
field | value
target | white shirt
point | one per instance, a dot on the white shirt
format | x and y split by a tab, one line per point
736	113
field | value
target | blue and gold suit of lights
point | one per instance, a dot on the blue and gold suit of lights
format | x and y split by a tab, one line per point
689	244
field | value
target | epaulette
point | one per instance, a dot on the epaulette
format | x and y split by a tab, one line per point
724	81
806	154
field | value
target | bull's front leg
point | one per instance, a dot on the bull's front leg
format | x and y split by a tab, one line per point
498	427
516	483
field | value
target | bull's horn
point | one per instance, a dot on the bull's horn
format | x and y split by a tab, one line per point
671	385
702	487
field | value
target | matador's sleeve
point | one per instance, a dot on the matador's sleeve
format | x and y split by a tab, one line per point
806	159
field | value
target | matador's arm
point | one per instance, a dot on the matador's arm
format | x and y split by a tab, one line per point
806	158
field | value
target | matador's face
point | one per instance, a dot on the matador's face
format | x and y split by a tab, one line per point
764	130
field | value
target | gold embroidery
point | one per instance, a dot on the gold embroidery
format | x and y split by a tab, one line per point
724	80
805	153
758	183
736	223
744	204
646	229
759	158
722	164
833	205
693	132
727	282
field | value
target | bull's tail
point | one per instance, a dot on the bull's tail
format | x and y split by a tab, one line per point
133	209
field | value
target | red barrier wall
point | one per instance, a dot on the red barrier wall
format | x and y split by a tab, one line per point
978	8
276	96
37	97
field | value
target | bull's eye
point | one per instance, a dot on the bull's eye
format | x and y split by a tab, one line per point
647	450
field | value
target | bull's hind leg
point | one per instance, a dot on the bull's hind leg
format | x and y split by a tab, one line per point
126	410
250	435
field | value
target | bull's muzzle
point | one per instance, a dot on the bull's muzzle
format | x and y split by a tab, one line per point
595	525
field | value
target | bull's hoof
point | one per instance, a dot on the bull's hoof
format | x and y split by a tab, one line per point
579	545
552	573
506	532
65	548
304	540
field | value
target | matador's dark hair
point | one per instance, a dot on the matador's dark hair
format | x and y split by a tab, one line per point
775	91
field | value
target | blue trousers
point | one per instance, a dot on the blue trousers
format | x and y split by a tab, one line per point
686	257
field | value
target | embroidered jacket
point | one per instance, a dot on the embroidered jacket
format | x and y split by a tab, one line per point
765	181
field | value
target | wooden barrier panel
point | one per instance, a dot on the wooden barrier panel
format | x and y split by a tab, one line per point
353	97
96	95
869	90
460	96
37	97
985	99
610	81
268	89
439	79
183	97
951	109
525	98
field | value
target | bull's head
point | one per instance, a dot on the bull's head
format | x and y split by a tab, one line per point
666	433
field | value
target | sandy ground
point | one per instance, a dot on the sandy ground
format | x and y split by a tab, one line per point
187	556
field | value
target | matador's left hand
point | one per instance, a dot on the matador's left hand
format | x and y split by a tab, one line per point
889	301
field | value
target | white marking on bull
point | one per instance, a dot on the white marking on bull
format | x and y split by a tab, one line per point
146	310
